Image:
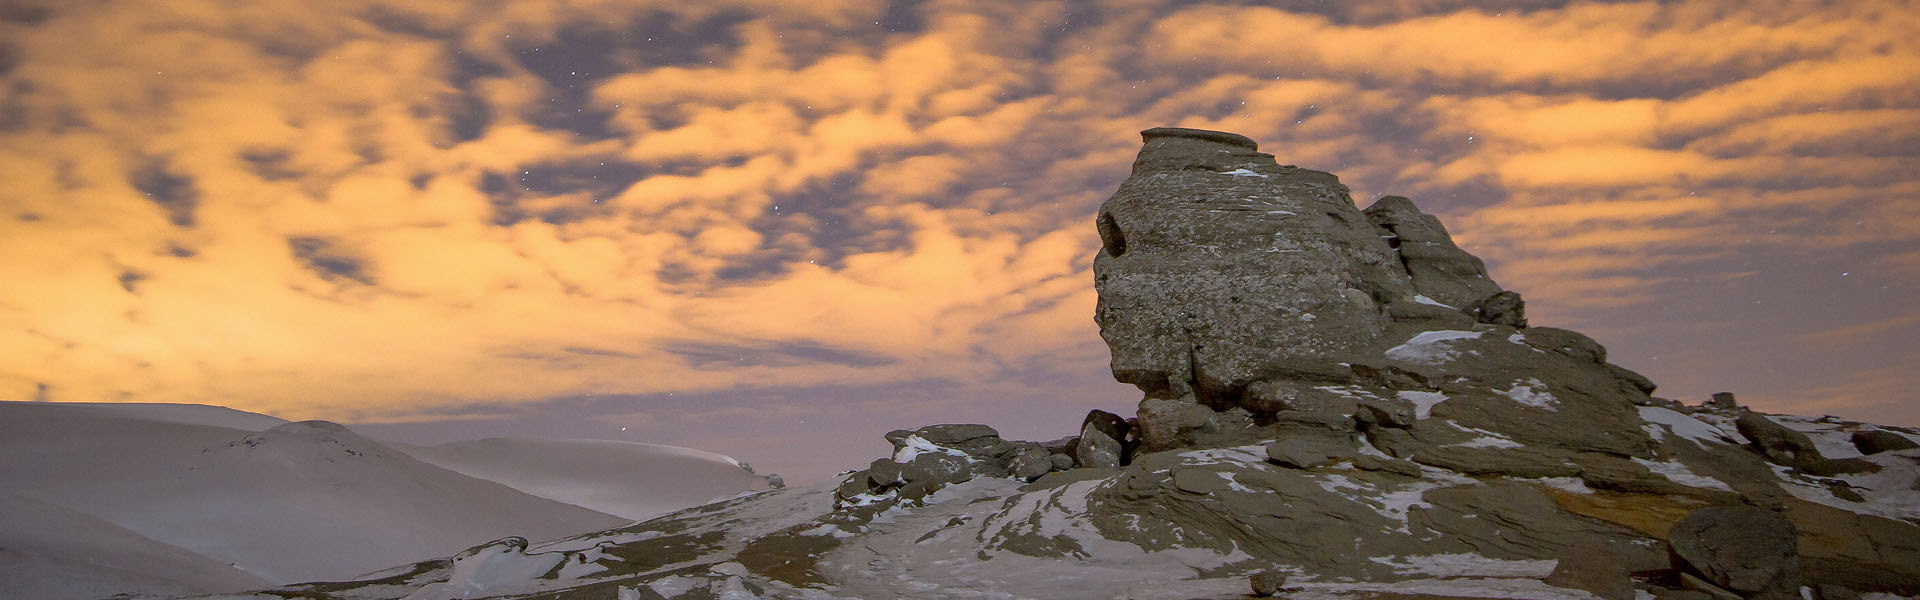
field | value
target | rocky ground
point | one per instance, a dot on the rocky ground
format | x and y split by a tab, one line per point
1337	403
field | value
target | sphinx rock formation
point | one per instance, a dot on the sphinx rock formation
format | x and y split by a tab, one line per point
1335	403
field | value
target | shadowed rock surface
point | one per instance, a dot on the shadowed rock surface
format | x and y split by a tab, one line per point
1333	401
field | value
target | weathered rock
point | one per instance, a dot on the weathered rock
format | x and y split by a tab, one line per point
1030	463
1744	549
1114	426
1439	270
1779	444
1296	454
1096	449
1723	401
1875	441
1570	343
1593	570
1198	481
1267	583
1632	380
1387	465
1061	462
1217	263
1702	588
951	435
1504	308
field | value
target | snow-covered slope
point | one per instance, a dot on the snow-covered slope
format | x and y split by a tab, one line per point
52	553
301	501
628	479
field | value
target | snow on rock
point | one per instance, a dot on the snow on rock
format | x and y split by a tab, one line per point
914	446
1466	565
491	568
1430	347
1431	302
1243	172
1678	473
1660	420
1531	392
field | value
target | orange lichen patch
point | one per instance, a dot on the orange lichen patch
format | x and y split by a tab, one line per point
1651	515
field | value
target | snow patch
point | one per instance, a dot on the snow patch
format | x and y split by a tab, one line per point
1430	347
1531	392
1565	484
673	586
1431	302
1466	565
1680	424
1243	172
914	446
1678	473
1422	402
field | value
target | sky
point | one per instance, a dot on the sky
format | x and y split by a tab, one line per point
779	229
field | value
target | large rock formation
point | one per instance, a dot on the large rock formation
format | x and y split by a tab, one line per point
1338	401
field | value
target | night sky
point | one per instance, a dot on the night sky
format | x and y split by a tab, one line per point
779	229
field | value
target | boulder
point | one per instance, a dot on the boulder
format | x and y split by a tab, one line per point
1096	449
1504	308
1875	441
1029	463
1632	380
1723	401
1779	444
1740	548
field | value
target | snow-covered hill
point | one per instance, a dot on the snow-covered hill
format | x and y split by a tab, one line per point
629	479
178	499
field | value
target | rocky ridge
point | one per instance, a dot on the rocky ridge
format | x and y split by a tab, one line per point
1336	403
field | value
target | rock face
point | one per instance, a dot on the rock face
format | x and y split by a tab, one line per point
1211	251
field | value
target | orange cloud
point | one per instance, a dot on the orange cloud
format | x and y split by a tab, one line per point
391	209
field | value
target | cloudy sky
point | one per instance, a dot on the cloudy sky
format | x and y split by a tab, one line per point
778	229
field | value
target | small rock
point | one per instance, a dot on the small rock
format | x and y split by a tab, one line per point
1061	462
1723	401
1296	454
1875	441
1268	583
1741	548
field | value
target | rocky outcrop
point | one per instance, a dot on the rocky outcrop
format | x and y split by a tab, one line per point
1329	396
